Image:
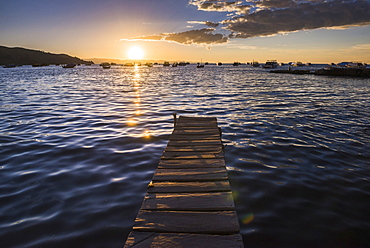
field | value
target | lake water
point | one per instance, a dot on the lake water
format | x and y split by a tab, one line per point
79	146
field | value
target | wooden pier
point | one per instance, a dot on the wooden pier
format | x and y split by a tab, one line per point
189	201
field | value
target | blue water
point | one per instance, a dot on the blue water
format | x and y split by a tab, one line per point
79	146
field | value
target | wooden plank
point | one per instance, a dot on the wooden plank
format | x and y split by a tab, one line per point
215	222
192	155
190	175
194	142
195	129
189	187
195	137
182	240
193	163
210	201
197	118
195	132
193	148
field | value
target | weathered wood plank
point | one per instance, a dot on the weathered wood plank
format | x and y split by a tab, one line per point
193	163
195	132
182	240
193	149
195	124
194	137
197	142
189	187
210	201
192	130
192	155
197	119
215	222
190	175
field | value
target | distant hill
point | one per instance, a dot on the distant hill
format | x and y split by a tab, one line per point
23	56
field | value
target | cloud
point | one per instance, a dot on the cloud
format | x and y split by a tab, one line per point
362	47
221	6
254	18
147	38
207	23
271	17
198	36
203	36
303	16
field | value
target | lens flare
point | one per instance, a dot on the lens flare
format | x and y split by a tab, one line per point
248	218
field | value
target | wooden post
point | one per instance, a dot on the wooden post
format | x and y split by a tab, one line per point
174	119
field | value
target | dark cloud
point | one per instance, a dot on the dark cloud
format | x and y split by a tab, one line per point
220	6
301	17
203	36
246	19
200	36
271	17
207	23
211	24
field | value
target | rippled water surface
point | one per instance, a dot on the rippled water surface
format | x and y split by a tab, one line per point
78	147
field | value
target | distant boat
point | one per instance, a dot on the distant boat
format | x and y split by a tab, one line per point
166	63
148	64
182	64
129	64
270	64
10	66
40	65
199	65
105	65
236	63
175	64
70	65
352	65
219	63
298	63
255	64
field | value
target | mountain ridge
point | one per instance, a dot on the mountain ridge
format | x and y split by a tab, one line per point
25	56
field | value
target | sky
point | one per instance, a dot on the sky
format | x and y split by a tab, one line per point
316	31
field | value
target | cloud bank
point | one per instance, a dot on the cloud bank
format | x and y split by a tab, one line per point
247	19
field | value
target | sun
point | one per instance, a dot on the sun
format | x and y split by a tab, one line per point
135	52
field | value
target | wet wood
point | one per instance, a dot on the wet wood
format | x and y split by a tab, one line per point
189	202
189	187
207	201
212	222
193	163
182	240
189	175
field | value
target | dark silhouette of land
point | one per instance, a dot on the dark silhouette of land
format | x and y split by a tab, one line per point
23	56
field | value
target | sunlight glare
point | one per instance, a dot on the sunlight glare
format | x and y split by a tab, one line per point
135	53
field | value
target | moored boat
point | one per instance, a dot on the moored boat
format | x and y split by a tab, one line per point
199	65
358	65
70	65
10	66
255	64
270	64
105	65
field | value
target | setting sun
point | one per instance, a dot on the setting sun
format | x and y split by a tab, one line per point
135	53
